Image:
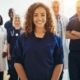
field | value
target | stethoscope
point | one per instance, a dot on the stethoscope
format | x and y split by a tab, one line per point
13	33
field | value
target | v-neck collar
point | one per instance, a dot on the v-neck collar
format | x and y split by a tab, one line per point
43	38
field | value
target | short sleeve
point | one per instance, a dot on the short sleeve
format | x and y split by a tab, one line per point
17	52
58	55
68	27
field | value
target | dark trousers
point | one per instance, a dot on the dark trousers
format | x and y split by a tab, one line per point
12	71
74	65
9	71
1	75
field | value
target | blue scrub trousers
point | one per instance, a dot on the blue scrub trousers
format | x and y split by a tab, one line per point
12	71
74	65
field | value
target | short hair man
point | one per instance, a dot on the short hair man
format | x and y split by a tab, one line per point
61	22
8	24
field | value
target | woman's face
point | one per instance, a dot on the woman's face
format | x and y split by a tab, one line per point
16	19
39	17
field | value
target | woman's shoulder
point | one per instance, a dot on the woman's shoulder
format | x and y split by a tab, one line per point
56	38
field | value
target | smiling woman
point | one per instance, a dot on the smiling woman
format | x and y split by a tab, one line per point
39	17
38	52
12	36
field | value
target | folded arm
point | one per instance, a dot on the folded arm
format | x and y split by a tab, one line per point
76	33
69	35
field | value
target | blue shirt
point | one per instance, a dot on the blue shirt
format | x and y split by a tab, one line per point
38	58
59	27
74	24
8	25
12	37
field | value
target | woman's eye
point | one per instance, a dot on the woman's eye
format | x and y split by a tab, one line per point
43	15
35	15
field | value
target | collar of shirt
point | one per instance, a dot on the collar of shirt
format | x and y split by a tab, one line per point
59	26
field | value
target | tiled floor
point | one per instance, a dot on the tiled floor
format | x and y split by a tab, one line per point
65	77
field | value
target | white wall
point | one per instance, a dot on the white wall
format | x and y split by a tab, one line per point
20	6
69	7
4	6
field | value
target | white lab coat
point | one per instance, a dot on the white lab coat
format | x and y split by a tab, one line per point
64	22
3	48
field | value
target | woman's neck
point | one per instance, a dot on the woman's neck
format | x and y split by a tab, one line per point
40	32
17	26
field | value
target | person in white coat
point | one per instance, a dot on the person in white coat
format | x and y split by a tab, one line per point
3	49
61	22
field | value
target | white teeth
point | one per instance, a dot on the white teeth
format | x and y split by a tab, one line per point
39	22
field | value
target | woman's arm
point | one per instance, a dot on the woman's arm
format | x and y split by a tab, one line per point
20	71
69	35
58	59
57	71
76	33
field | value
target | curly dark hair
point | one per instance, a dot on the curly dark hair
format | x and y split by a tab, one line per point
28	23
1	21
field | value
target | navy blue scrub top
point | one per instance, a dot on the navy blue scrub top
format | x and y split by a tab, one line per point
8	25
74	24
38	57
12	37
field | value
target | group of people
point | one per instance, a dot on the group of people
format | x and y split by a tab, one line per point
35	51
8	36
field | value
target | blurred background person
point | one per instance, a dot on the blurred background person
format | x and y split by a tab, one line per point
8	24
61	22
12	36
73	33
3	49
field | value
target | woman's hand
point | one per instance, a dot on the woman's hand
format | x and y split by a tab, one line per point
9	57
